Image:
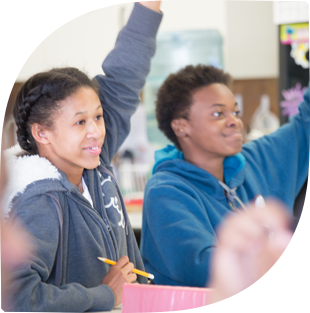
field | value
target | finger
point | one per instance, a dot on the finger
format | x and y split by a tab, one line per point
279	243
275	220
127	269
272	218
274	214
131	278
240	232
122	262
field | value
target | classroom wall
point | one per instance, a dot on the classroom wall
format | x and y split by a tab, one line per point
195	14
76	33
249	36
252	40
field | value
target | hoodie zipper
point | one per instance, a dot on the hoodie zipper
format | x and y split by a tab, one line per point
96	215
105	218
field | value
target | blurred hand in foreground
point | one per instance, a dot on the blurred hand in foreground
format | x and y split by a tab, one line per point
250	243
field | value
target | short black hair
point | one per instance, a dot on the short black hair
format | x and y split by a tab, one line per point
174	97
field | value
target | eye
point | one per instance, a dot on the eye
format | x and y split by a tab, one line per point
82	122
217	114
237	113
99	117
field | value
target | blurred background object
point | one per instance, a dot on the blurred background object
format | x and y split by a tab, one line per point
292	20
263	121
174	51
15	244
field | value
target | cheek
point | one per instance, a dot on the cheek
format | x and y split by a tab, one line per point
103	130
215	129
69	138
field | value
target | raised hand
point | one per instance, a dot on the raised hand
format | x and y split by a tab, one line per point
153	5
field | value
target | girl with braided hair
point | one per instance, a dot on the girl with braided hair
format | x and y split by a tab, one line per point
61	186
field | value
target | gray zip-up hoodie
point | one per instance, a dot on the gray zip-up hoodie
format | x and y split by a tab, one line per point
36	189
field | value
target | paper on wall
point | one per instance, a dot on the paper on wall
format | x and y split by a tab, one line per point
291	11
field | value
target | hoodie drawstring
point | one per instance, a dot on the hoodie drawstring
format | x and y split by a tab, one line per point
231	195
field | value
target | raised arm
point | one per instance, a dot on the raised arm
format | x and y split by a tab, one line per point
126	68
280	161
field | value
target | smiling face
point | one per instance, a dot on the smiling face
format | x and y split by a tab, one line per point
214	128
78	133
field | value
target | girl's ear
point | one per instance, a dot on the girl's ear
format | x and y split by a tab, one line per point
40	134
179	127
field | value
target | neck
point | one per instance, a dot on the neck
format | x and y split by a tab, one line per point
75	178
73	173
211	164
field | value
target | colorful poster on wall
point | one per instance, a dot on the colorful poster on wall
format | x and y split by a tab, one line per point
294	33
285	12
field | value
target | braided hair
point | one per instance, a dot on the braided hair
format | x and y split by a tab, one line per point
38	101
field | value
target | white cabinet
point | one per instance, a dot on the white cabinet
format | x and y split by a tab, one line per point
77	33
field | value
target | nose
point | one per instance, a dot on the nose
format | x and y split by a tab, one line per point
232	121
93	131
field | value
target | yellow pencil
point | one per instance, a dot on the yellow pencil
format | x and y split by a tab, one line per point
134	270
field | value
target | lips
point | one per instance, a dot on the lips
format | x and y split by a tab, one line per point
234	135
93	149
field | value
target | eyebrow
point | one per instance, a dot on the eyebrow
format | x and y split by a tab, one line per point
83	112
221	105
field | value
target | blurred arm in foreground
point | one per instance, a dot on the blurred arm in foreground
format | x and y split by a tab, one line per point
15	245
250	243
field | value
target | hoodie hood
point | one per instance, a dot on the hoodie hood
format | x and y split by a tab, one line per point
172	160
25	171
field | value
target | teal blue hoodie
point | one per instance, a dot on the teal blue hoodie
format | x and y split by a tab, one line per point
184	205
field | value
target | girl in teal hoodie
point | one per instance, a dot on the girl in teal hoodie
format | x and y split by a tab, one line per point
209	173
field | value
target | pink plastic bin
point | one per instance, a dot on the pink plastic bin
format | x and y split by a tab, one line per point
156	298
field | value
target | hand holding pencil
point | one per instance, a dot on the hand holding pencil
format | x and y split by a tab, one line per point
119	274
145	274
